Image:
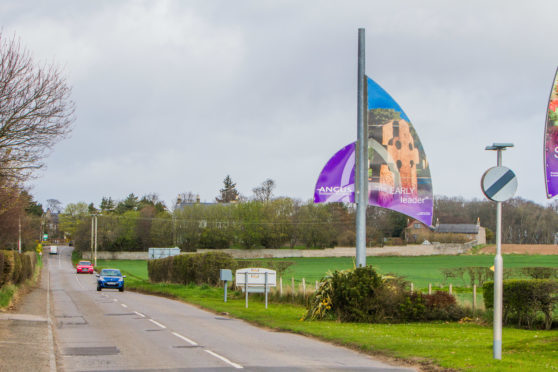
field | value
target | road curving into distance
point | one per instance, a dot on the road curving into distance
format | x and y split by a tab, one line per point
127	331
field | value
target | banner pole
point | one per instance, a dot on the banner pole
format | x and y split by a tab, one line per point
361	191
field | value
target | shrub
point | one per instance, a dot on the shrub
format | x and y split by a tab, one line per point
191	268
361	295
355	295
524	299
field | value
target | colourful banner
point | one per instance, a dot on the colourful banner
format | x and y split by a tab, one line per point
398	173
551	142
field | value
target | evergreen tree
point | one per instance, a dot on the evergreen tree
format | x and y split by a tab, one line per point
228	193
107	204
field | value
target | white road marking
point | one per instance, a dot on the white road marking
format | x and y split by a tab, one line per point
157	323
51	356
185	339
123	305
78	281
140	314
237	366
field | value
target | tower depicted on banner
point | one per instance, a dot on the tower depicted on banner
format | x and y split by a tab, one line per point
398	173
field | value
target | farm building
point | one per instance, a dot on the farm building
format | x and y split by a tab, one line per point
416	229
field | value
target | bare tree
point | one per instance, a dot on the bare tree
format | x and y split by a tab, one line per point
54	205
264	192
185	198
35	110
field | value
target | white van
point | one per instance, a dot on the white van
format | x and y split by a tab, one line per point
53	249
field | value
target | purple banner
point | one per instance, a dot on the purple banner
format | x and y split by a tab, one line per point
398	173
551	142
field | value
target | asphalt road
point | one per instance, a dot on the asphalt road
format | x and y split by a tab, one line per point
126	331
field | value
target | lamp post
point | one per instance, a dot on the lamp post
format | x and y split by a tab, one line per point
498	263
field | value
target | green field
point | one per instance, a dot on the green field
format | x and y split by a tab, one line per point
420	270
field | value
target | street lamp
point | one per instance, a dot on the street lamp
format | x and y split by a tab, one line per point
498	261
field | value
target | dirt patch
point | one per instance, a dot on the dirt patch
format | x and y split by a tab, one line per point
522	249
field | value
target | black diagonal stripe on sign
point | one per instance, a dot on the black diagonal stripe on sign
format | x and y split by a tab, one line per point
499	185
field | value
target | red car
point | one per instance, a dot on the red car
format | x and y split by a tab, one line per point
84	267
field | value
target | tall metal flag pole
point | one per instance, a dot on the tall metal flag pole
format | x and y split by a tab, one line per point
361	197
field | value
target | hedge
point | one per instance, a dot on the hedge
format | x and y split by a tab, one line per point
16	267
190	268
524	300
203	268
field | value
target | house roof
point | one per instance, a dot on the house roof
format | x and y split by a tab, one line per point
455	228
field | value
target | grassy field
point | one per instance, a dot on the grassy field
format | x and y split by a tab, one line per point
419	270
462	346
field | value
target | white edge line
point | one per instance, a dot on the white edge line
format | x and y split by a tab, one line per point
123	305
237	366
185	339
157	323
140	314
52	355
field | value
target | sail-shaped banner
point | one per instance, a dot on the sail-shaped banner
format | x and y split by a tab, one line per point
551	142
398	173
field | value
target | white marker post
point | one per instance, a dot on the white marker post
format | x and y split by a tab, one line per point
498	184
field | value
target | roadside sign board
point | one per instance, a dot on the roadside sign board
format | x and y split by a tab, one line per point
499	184
256	279
45	236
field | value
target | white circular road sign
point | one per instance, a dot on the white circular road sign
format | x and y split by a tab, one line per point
499	184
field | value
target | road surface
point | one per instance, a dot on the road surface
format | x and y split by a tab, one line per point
127	331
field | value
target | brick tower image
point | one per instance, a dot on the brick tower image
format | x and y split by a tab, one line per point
395	136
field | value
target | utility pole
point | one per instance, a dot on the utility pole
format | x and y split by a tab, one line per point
361	189
92	234
95	264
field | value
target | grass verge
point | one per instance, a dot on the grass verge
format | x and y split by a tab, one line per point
462	346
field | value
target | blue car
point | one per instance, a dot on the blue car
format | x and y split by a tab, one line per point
110	278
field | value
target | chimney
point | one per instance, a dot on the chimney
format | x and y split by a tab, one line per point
478	221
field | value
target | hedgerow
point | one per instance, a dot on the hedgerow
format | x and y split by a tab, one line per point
525	301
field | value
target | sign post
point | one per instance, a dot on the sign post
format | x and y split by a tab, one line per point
498	184
226	276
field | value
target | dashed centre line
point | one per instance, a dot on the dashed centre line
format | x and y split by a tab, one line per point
193	343
140	314
157	323
123	305
237	366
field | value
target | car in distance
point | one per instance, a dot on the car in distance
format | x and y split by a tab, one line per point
53	249
84	267
110	278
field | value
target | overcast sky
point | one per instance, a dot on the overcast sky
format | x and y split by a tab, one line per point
172	96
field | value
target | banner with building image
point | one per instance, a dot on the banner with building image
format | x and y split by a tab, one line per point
398	173
551	142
